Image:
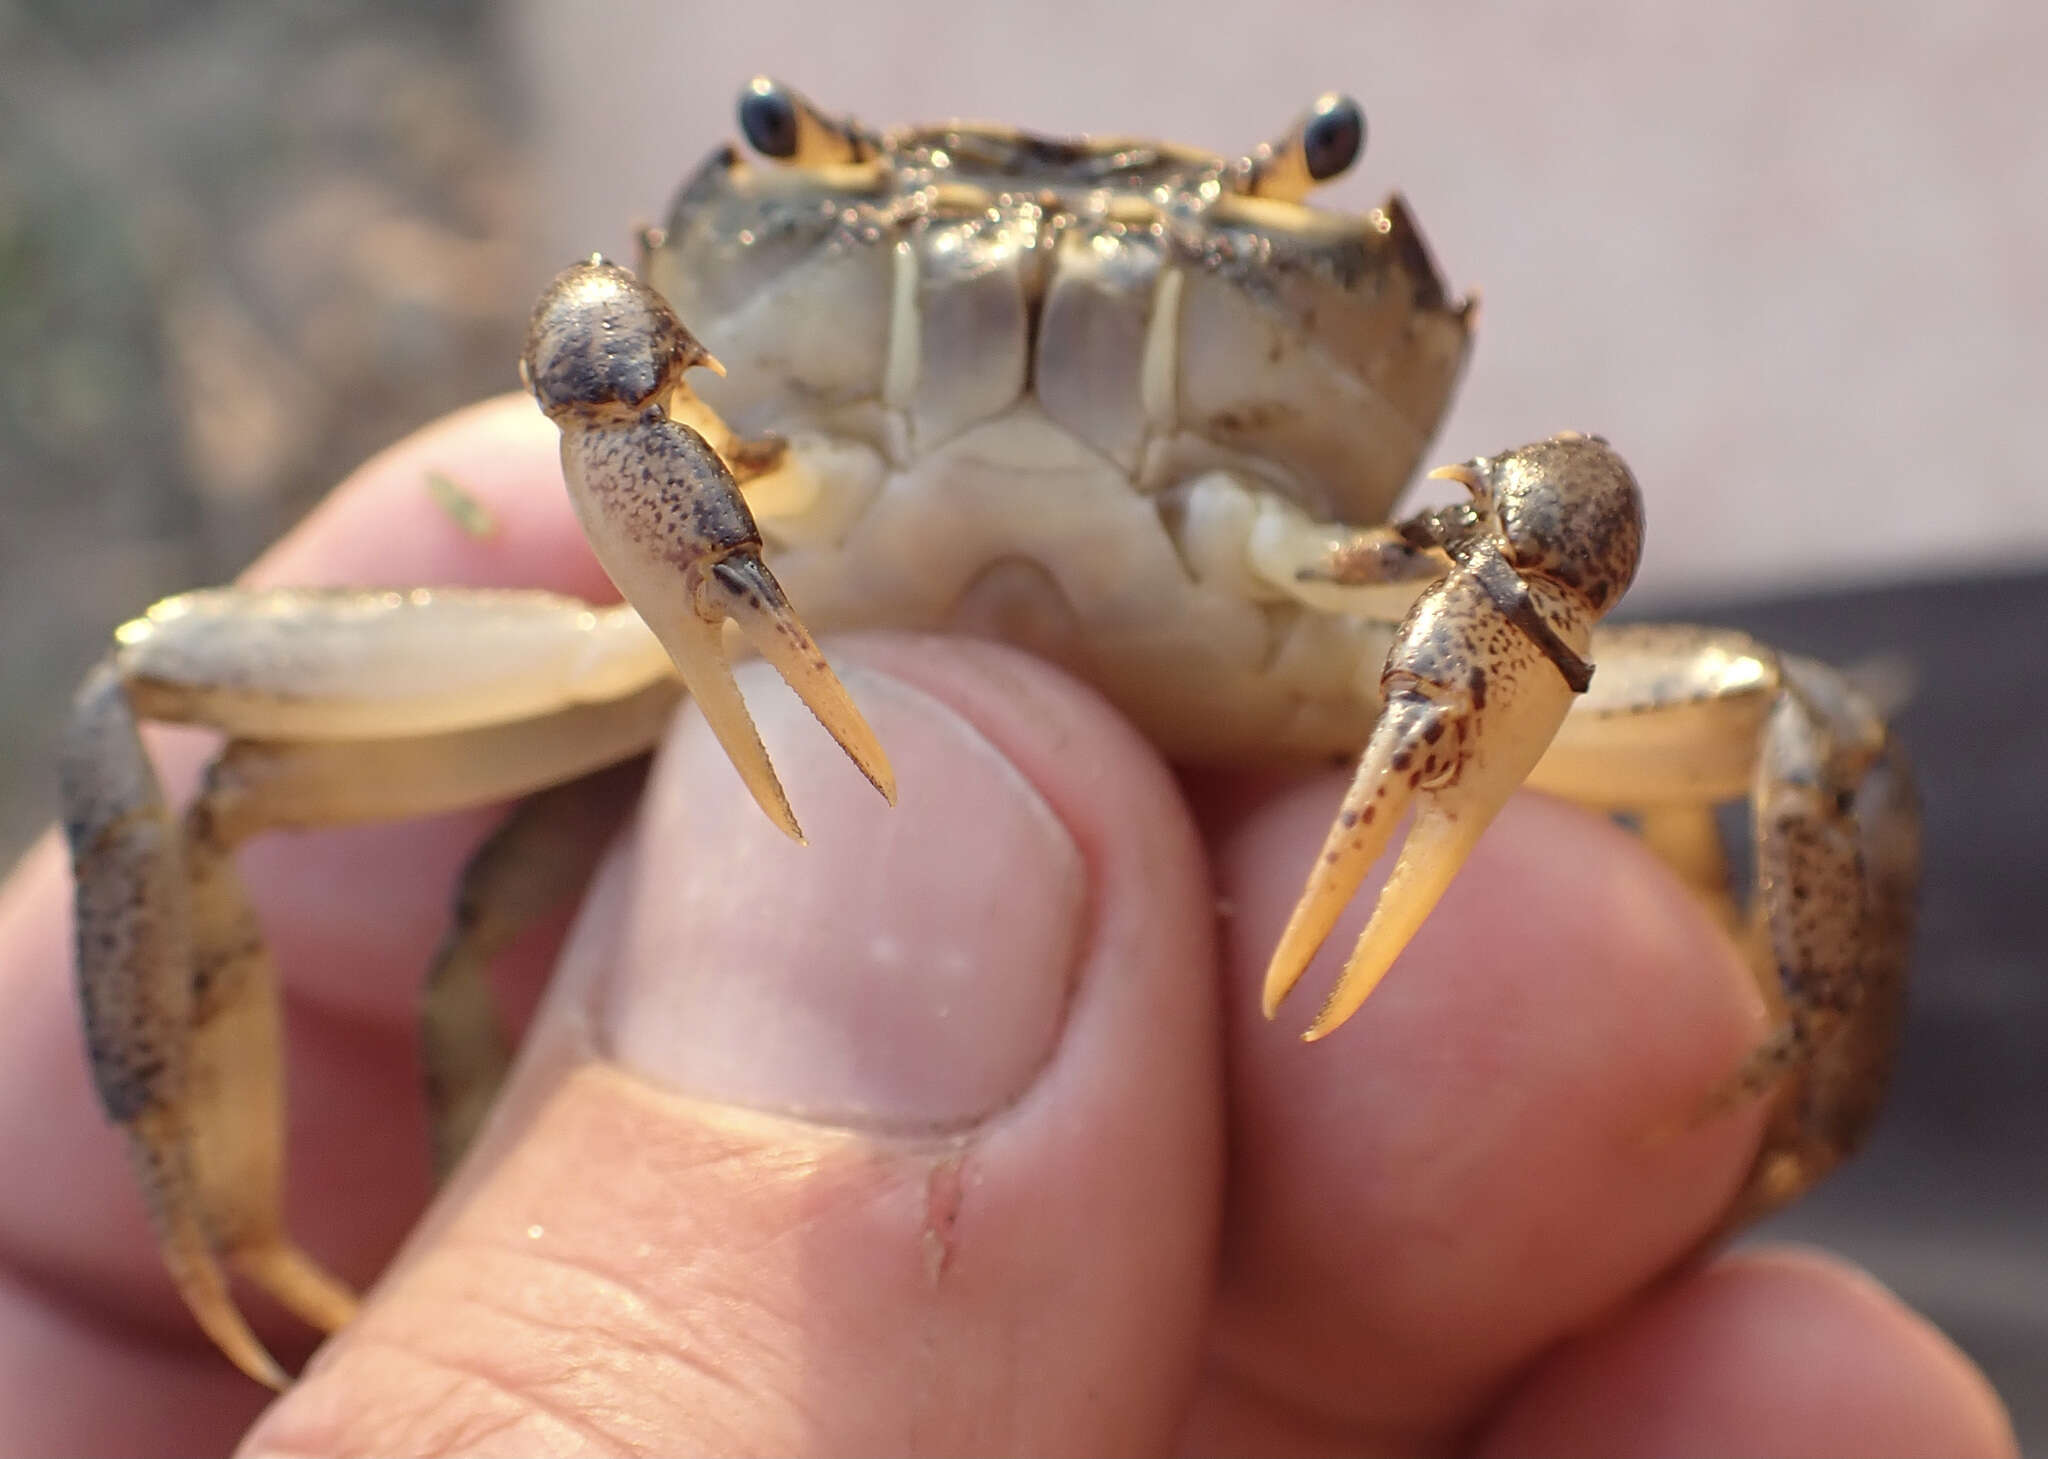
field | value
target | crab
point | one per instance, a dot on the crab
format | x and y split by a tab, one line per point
1139	408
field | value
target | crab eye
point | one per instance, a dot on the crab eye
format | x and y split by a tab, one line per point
768	119
1332	137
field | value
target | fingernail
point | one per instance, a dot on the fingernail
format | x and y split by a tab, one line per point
909	968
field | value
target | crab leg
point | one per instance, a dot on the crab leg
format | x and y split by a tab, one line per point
179	992
1480	677
539	857
667	520
320	664
1685	718
136	985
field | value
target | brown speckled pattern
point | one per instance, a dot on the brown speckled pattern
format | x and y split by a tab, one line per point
1587	536
1836	844
665	489
1456	640
133	939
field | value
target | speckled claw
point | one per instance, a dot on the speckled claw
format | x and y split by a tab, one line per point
605	357
1477	684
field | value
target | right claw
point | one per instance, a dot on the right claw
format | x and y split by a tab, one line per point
667	520
1479	679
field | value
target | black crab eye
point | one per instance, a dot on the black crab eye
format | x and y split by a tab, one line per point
1332	137
768	119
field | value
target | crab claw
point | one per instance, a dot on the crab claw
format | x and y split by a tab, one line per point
1549	546
666	518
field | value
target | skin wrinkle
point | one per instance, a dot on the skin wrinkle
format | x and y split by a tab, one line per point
458	1374
1304	1412
661	1348
657	1339
709	1308
668	1343
654	1308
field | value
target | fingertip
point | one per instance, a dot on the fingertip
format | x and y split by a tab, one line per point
1771	1351
390	524
768	1178
1467	1169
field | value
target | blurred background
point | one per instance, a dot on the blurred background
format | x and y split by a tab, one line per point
1789	258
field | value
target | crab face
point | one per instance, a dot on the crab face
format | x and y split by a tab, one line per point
1170	310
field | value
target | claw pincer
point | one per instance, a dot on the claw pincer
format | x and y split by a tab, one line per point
605	355
1480	677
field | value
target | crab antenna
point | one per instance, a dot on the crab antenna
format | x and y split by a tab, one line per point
781	124
1322	145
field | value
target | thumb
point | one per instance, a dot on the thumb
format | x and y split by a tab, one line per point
905	1141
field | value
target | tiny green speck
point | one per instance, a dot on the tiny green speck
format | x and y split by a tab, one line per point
471	515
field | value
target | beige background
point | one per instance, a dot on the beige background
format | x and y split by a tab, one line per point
1789	258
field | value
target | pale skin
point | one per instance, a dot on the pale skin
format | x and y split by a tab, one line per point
1375	1245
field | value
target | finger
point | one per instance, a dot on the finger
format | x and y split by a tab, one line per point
1768	1352
1423	1203
906	1140
388	526
353	918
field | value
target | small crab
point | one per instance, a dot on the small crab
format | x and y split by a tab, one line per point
1136	407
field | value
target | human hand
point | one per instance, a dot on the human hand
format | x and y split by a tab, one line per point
958	1130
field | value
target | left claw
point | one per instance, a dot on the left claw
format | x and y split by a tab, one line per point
1480	677
605	357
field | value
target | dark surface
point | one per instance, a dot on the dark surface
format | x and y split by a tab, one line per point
1949	1202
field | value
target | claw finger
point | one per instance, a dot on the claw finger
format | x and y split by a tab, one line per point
698	648
1364	827
747	592
1458	763
1459	756
1440	841
661	512
159	1149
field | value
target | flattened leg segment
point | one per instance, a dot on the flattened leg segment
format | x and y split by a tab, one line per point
135	987
540	857
235	1093
1682	719
1838	867
180	995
